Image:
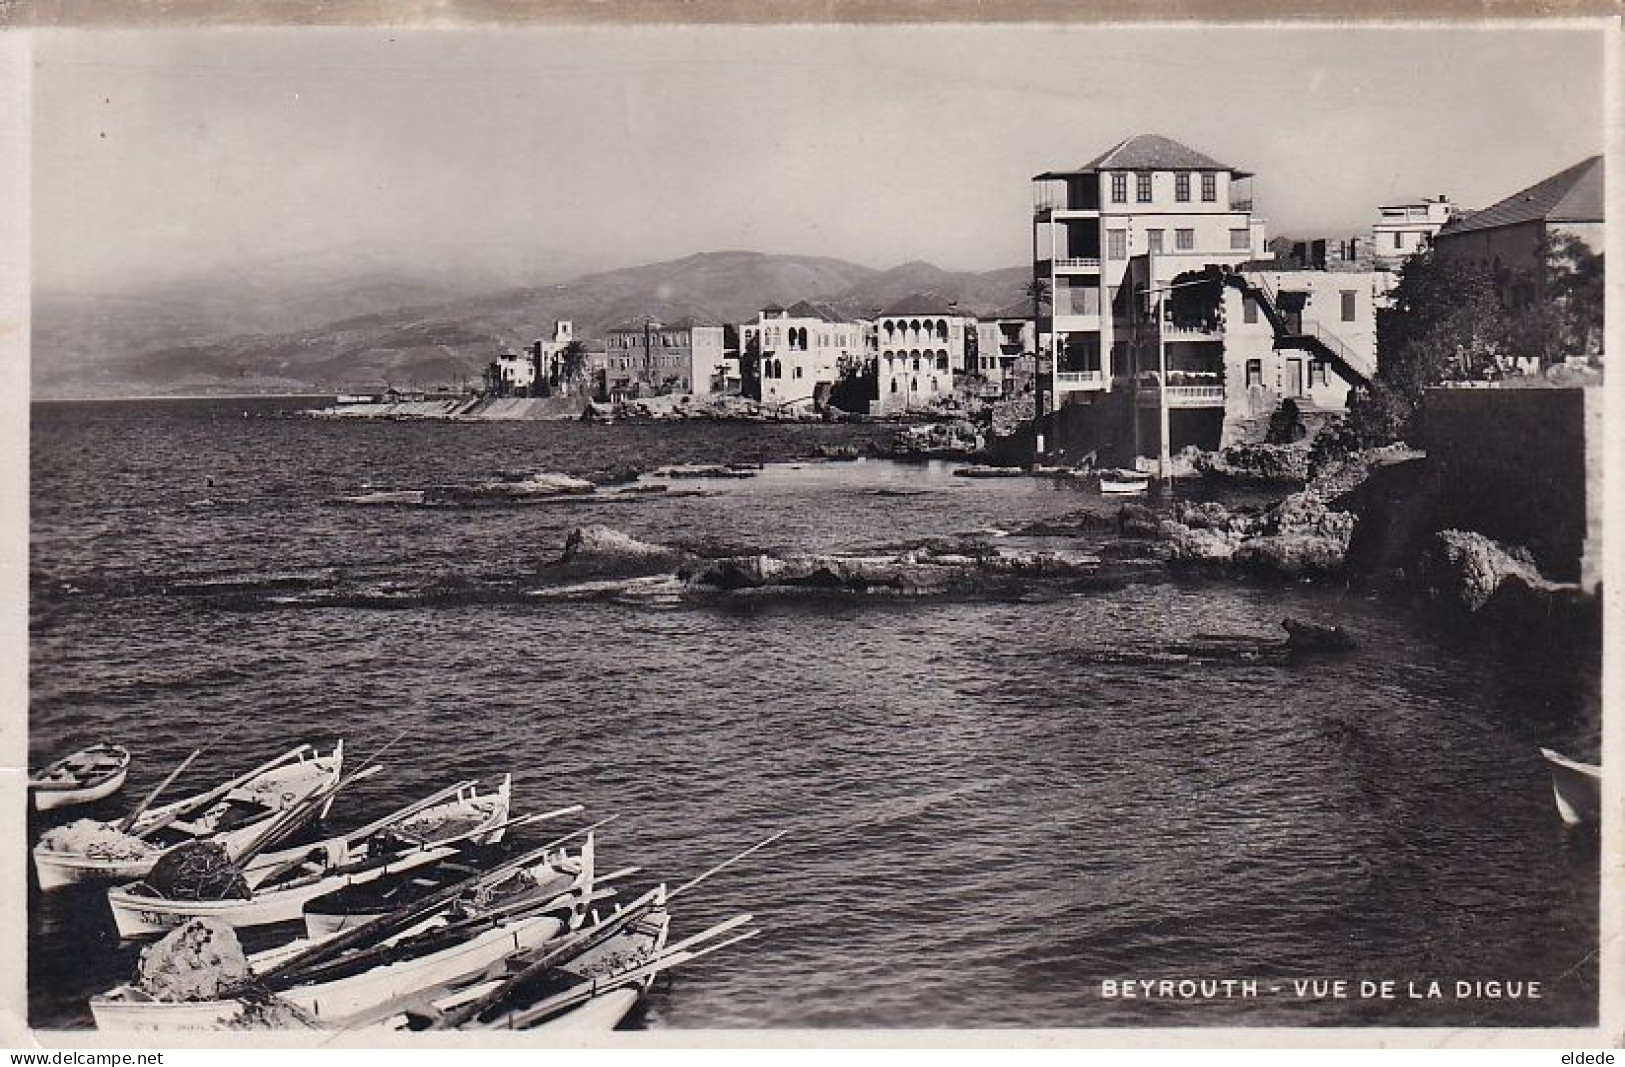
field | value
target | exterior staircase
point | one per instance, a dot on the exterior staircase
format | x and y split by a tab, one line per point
1309	337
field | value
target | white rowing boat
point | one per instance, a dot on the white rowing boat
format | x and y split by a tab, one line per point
90	774
1577	788
1120	481
279	884
251	811
358	978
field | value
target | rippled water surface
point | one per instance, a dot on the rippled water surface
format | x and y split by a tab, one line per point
993	802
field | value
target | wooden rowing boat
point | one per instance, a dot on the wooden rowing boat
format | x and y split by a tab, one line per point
1120	481
88	775
348	979
1577	788
280	883
252	811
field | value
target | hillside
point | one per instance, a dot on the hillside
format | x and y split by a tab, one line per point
418	341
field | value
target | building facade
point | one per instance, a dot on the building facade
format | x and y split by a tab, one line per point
1147	196
1508	237
1405	228
1005	343
922	344
651	358
802	348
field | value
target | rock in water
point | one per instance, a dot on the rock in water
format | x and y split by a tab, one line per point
199	961
603	550
1315	637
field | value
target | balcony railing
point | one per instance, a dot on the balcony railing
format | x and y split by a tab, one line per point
1072	262
1071	381
1184	396
1244	204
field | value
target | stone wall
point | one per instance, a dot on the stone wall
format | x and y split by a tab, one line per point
1523	466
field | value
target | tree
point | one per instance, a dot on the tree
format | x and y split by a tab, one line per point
572	364
1575	293
1446	321
750	369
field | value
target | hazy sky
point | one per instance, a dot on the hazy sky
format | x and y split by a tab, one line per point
158	152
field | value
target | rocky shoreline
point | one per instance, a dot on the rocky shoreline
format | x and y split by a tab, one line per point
1366	522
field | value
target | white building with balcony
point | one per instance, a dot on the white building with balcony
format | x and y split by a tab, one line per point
921	343
1406	228
803	347
1147	195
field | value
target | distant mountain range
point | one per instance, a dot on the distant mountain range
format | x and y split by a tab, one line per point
321	331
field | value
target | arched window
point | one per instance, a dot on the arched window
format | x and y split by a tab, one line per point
894	385
942	329
942	360
914	385
933	383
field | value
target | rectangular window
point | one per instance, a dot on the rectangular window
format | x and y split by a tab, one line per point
1153	240
1317	373
1249	309
1184	240
1238	240
1397	241
1119	188
1117	244
1210	187
1348	305
1255	373
1182	188
1142	188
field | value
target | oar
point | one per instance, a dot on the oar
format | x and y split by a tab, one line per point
692	882
408	811
146	802
682	952
129	820
283	824
286	972
555	953
221	790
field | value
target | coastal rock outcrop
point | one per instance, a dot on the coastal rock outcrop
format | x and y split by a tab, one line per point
603	551
1470	568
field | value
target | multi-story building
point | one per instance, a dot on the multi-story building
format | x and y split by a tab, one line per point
803	347
1406	228
1003	340
1155	269
1145	195
921	343
649	357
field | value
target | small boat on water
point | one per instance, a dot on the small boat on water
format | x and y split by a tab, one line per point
1121	481
1577	788
88	775
248	813
275	886
343	981
982	470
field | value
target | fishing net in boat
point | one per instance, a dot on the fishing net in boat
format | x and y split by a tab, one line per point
288	784
198	870
199	961
441	826
96	840
266	1011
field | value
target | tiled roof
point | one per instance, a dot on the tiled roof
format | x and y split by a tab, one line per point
809	309
687	322
1572	195
923	304
1150	151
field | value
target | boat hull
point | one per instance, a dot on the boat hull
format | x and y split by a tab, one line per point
357	999
52	799
138	916
56	869
601	1014
1576	787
